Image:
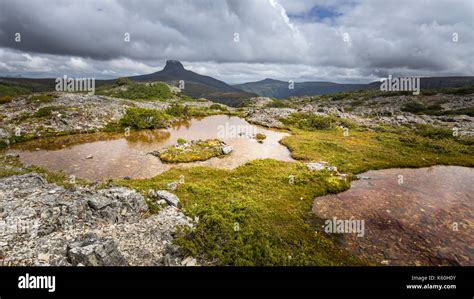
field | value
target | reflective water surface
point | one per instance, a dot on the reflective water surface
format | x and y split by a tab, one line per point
412	216
103	155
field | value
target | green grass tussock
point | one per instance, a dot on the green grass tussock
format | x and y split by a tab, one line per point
184	152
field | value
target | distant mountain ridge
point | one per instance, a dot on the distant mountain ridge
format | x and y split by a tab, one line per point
281	89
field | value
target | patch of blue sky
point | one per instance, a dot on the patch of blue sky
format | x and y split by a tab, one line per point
317	14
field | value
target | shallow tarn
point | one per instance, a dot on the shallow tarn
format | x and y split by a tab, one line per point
102	155
412	216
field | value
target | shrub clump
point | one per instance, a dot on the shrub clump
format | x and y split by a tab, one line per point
142	118
278	104
217	107
41	98
260	136
179	110
47	111
461	111
181	141
463	90
123	81
5	99
12	90
420	108
308	121
433	132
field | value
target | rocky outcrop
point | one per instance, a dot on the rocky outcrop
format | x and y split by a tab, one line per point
69	113
46	224
388	111
269	117
258	102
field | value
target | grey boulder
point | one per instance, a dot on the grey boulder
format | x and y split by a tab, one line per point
93	251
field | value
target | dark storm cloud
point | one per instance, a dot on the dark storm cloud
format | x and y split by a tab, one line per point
188	30
361	40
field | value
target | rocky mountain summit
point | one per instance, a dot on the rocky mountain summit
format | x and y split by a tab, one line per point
197	85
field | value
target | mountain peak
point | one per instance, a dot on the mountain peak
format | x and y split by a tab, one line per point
173	65
266	80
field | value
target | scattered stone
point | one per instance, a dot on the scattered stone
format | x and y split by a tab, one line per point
189	261
99	202
169	197
161	202
43	256
315	166
227	149
173	186
93	251
321	165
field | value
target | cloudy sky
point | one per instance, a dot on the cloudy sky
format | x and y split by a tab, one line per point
239	41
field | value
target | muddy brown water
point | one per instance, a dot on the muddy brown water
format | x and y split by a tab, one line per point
419	216
102	155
